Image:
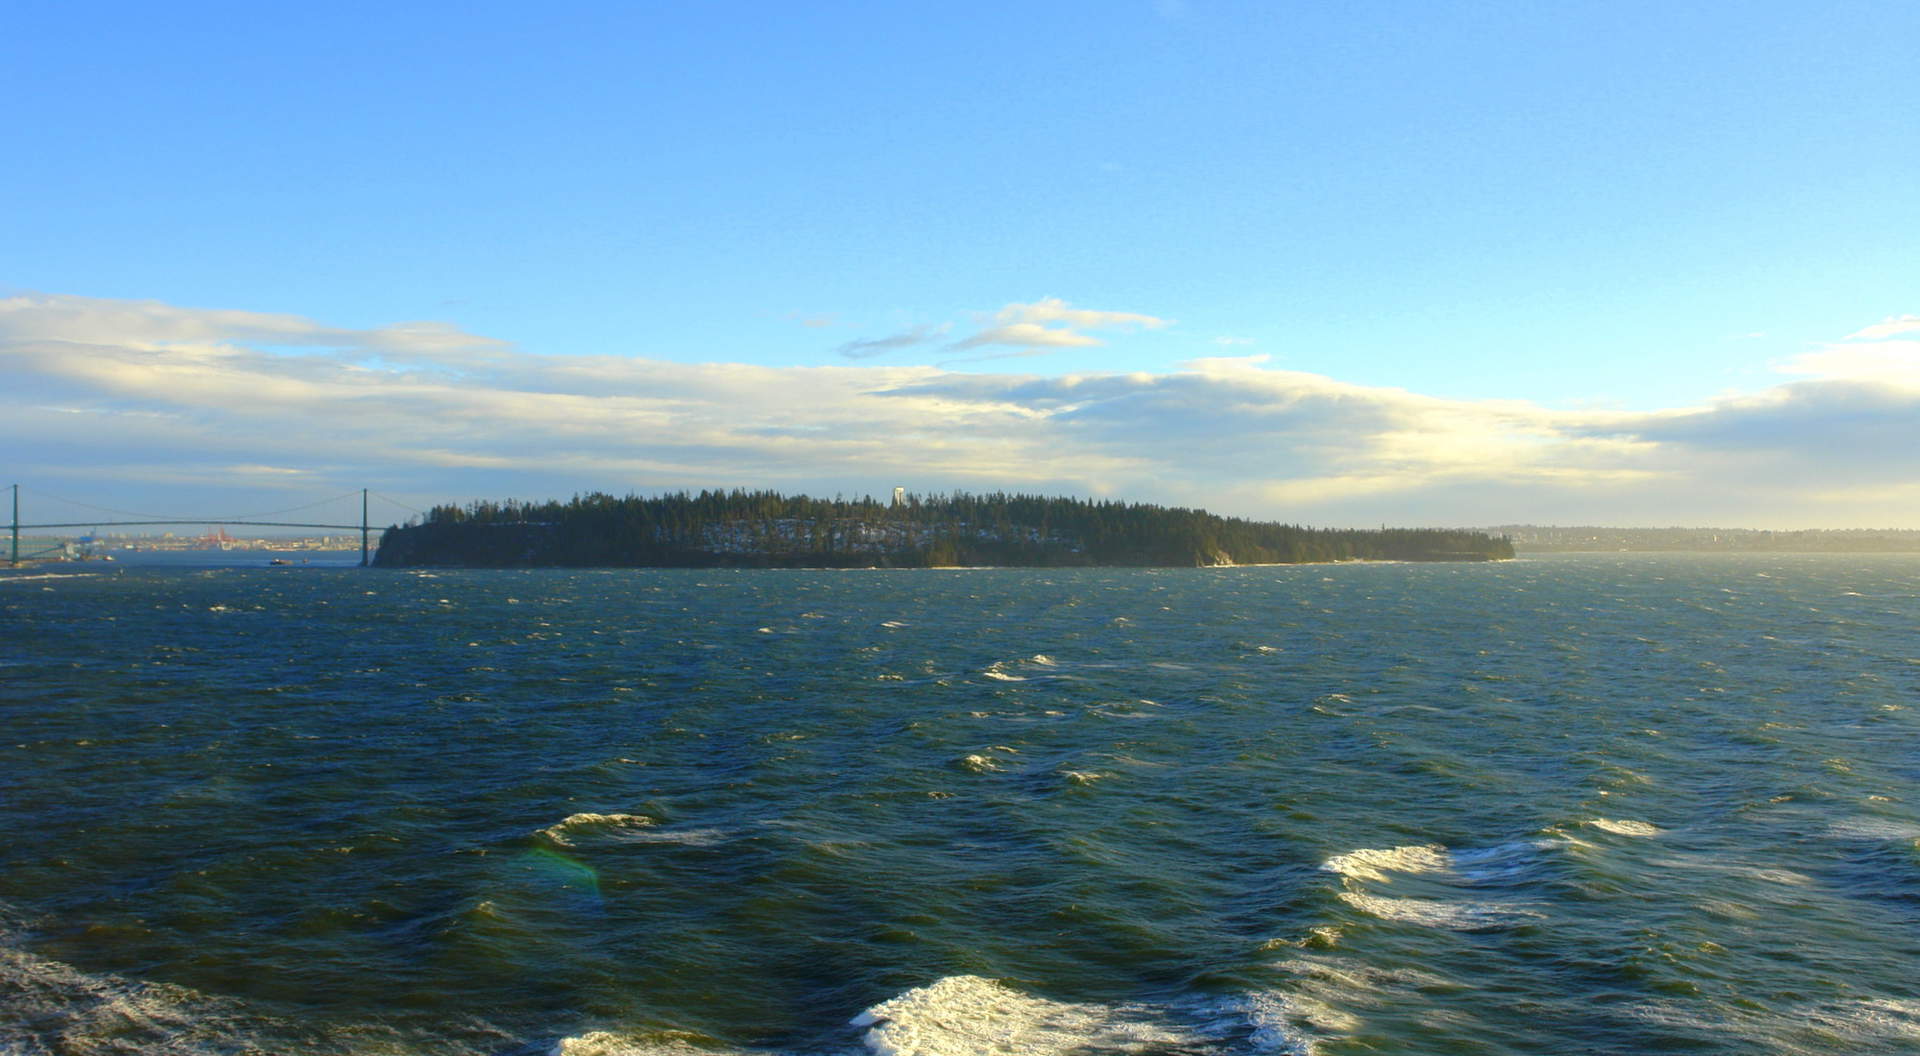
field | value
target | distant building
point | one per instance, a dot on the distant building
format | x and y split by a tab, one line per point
899	496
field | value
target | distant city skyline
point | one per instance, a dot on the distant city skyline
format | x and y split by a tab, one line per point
1450	264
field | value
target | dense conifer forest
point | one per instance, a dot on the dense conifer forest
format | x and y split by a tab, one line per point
763	529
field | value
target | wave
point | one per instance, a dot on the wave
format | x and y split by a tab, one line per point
1623	827
966	1014
983	762
54	1007
969	1015
1868	1024
1370	863
605	826
607	1043
1874	829
1460	871
1442	913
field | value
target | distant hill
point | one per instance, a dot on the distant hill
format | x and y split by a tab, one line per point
766	529
1533	538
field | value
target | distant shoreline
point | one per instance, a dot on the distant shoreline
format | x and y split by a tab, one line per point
761	529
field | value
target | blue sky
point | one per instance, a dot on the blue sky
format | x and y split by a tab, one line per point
1563	246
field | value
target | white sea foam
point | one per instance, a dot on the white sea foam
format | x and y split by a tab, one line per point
1437	913
1877	1024
1379	865
1373	863
1874	829
1623	827
1272	1022
53	1007
994	672
605	826
966	1015
606	1043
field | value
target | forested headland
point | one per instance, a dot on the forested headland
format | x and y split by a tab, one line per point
764	529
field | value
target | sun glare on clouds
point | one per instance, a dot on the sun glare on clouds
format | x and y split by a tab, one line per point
101	382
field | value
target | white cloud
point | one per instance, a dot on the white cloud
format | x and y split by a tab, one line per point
1869	354
156	325
1891	326
1029	336
1891	362
1055	310
1051	323
142	391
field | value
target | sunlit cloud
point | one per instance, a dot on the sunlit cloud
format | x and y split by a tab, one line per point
1891	326
104	390
1051	323
1877	353
1028	335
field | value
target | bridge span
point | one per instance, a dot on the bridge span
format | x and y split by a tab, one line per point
16	526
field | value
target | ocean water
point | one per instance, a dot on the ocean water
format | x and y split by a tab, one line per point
1575	804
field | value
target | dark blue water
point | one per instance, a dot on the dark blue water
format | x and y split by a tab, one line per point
1581	804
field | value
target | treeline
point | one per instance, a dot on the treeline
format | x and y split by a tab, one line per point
767	529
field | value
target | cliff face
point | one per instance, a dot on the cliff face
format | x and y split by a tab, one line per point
762	529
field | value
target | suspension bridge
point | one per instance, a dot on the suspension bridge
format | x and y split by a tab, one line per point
131	519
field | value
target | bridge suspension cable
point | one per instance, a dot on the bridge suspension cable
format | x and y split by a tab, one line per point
85	505
146	519
201	519
396	502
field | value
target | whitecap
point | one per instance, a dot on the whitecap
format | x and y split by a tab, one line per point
606	1043
1372	863
1434	913
1270	1021
609	826
966	1014
71	1010
1623	827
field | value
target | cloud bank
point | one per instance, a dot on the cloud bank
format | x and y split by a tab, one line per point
110	396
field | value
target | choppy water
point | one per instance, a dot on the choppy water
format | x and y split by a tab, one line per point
1592	804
